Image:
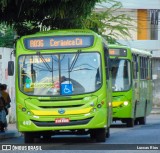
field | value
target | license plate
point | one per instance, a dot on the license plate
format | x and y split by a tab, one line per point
62	120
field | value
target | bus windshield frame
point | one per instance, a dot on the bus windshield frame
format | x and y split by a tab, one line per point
121	75
60	74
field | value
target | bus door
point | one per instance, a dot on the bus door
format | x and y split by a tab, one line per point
149	86
136	82
108	82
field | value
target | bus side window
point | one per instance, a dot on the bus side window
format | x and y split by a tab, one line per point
135	66
147	67
150	69
143	67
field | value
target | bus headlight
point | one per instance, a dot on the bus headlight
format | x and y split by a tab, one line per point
110	104
125	103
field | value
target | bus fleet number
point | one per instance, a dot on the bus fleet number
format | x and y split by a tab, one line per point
36	43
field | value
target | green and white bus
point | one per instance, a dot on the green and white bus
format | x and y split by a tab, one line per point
131	84
62	84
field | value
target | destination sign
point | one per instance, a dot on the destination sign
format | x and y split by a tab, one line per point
117	52
58	42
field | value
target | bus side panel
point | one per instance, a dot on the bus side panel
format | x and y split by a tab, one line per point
150	97
121	111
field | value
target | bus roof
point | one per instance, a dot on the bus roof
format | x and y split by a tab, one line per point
117	46
141	52
63	32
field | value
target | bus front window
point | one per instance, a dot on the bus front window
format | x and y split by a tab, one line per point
60	74
121	75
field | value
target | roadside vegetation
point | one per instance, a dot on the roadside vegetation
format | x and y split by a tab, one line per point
22	17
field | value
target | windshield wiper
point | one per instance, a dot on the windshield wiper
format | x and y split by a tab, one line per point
74	61
44	61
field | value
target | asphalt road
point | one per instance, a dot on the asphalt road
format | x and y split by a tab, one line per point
139	138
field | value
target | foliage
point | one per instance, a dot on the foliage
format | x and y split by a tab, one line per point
48	13
30	16
6	36
109	24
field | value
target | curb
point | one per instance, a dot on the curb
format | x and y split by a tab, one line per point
155	112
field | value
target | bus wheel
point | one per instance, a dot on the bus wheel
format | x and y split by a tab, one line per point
100	135
142	120
47	137
93	134
136	121
130	122
28	137
108	133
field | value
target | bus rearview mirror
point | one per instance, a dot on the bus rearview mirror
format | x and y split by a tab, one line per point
10	68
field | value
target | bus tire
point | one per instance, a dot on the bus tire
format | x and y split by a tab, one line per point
142	120
108	133
100	135
136	121
47	137
28	137
130	122
93	134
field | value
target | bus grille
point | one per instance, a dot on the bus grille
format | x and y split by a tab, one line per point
52	123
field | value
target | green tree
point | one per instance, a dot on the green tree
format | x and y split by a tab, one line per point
30	16
6	36
109	23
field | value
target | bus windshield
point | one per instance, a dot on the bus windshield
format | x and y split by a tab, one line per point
60	74
121	75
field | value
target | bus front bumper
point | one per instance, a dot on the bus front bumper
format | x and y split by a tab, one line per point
69	122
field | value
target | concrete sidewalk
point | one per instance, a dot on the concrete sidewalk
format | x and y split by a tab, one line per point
12	130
